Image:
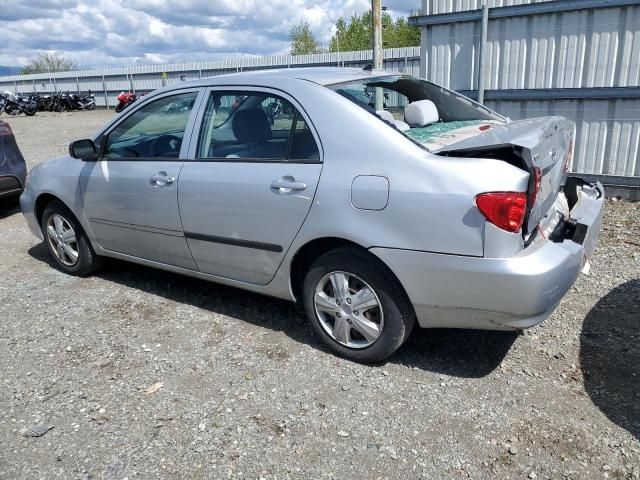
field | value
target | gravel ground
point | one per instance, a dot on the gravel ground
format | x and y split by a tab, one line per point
137	373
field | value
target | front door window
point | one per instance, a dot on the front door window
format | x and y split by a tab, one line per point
155	130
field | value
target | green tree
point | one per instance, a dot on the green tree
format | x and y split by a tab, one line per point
356	34
49	62
302	40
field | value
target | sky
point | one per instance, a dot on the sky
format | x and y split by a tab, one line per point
116	32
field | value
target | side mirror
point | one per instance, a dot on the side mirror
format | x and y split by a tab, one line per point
83	150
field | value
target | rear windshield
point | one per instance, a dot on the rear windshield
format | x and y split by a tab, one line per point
387	97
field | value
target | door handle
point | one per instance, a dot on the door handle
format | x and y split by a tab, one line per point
161	179
288	184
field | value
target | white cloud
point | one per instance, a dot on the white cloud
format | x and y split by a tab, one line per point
118	32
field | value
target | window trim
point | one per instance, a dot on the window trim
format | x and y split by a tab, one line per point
193	156
188	131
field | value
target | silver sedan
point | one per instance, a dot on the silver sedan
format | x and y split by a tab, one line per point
373	199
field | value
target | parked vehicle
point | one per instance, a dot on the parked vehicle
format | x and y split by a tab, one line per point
124	100
86	102
434	209
15	105
41	101
13	169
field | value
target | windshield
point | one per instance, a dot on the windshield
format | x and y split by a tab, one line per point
436	112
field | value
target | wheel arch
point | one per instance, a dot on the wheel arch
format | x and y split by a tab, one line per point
41	203
313	249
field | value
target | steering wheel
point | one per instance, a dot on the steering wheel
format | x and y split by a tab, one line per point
165	146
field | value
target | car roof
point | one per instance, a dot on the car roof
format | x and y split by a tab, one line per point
319	75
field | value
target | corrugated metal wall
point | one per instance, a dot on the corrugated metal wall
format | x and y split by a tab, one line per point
431	7
107	83
597	47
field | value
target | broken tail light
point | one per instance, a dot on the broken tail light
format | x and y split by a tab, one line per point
537	181
506	210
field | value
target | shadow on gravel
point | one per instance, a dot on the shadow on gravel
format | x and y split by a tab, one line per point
610	356
460	353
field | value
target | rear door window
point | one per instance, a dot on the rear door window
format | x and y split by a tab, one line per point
250	126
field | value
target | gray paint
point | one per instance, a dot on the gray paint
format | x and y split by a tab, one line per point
430	234
369	192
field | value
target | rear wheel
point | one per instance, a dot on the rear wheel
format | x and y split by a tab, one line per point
356	306
67	243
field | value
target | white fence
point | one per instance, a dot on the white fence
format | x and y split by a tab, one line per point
107	83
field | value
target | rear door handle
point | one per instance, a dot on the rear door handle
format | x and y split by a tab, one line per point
288	184
161	179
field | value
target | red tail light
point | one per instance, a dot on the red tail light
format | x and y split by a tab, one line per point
537	179
505	210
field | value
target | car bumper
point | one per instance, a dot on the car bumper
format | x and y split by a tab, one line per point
512	293
27	205
10	186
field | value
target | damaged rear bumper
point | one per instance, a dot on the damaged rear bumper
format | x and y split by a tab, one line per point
511	293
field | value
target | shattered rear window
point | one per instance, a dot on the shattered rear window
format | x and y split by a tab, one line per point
395	92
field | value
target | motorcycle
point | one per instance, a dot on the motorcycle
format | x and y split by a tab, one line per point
87	102
124	100
15	105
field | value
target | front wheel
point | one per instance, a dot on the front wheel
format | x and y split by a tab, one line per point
67	243
356	306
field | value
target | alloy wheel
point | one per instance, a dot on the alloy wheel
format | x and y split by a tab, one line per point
348	309
62	240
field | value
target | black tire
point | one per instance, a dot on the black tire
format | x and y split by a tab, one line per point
399	318
87	261
30	112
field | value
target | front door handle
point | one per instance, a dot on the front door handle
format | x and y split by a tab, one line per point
161	179
288	184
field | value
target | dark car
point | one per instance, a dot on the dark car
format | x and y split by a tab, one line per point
13	169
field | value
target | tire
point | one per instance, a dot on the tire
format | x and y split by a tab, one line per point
391	319
30	112
87	261
119	107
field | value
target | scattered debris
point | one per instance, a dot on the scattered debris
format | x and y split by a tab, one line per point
153	388
37	430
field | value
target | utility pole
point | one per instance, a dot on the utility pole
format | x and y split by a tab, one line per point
376	18
483	51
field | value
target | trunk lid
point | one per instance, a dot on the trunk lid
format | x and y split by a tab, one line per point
543	145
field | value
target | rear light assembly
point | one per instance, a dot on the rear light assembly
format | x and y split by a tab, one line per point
537	180
506	210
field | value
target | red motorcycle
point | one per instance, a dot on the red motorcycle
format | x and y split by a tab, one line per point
124	100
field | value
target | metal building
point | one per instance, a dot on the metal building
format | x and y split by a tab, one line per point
577	58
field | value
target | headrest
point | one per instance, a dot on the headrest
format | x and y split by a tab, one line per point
251	126
402	126
421	113
385	115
